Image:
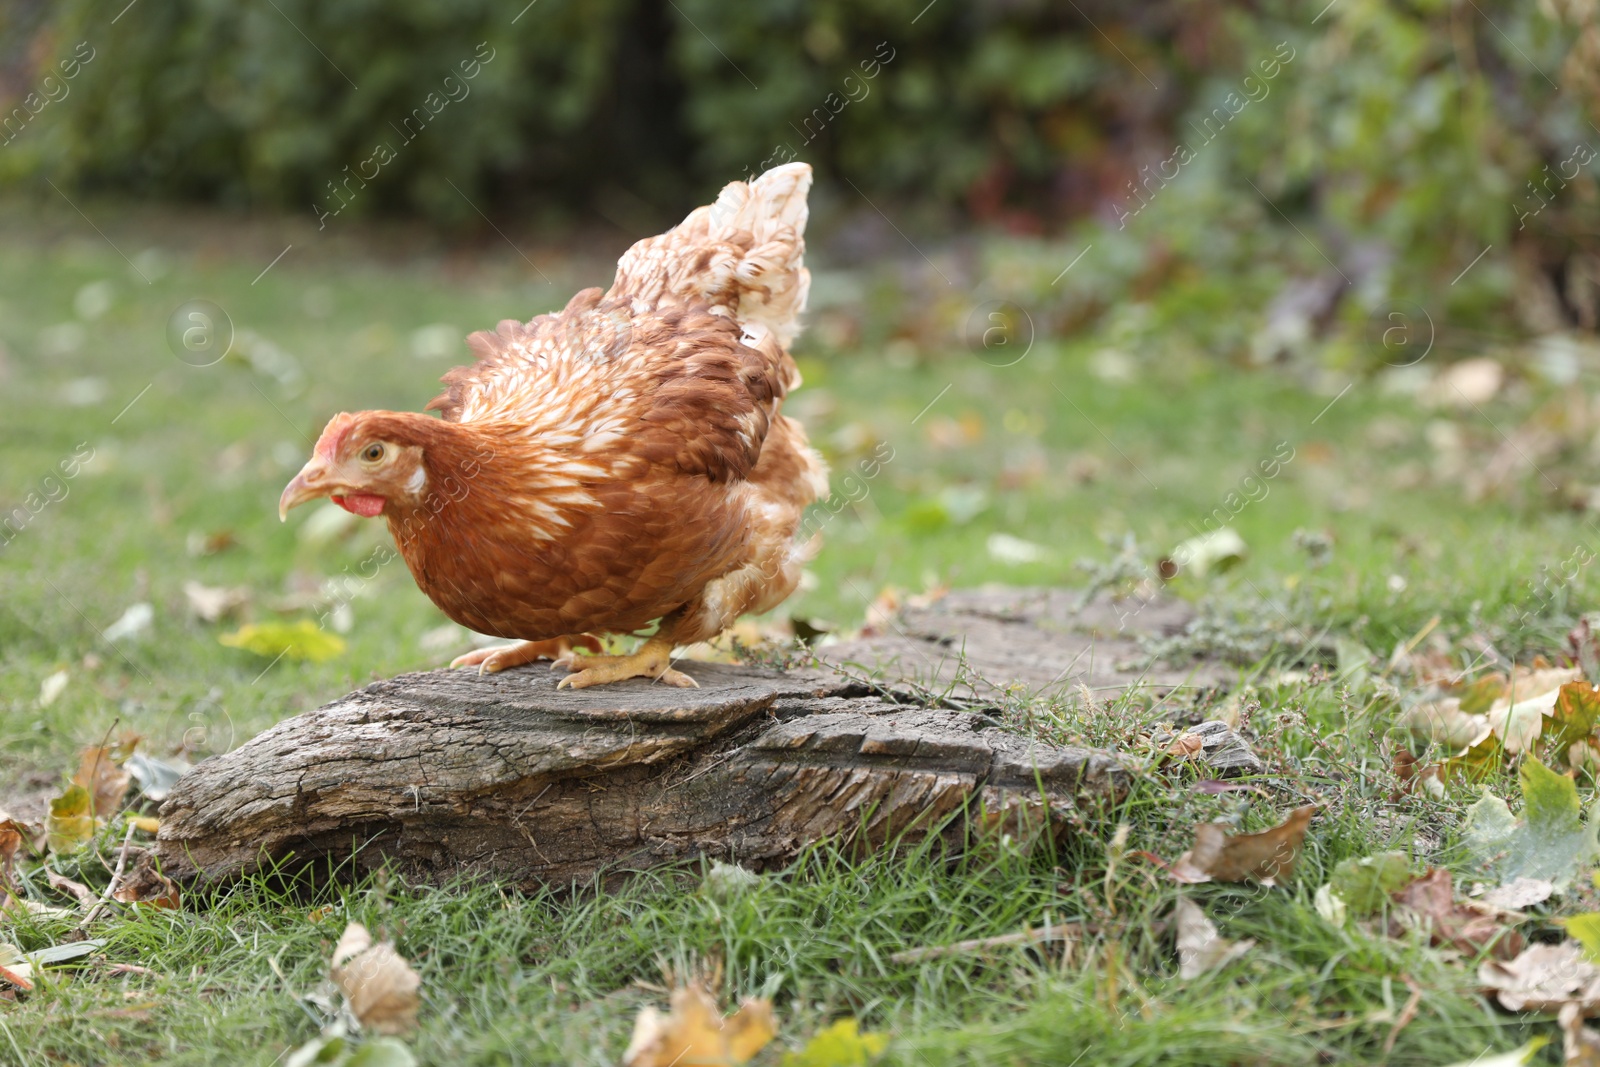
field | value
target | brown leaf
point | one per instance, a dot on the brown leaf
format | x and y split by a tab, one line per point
82	893
1417	777
1544	978
146	885
379	984
209	544
694	1032
1218	856
106	782
11	838
1185	746
1464	925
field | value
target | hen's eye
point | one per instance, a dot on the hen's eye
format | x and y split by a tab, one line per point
372	453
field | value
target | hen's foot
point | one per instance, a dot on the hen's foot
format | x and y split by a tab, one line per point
653	660
559	649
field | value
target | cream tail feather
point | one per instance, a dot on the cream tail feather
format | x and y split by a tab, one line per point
744	253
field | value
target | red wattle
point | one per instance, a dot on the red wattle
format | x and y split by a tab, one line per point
363	504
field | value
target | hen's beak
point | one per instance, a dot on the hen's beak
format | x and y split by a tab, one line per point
309	484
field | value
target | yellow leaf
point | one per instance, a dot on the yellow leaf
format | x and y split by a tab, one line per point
301	639
1478	759
1585	930
71	820
148	823
840	1045
694	1033
1573	718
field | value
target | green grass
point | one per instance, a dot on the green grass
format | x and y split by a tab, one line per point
1045	450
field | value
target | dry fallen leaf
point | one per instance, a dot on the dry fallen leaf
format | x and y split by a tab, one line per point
840	1045
1537	677
1519	725
1544	978
17	967
1580	1045
146	885
1218	856
11	838
106	782
14	967
379	984
77	890
1185	746
882	612
71	820
1520	893
51	687
1470	927
21	906
694	1032
1417	777
1513	709
1517	717
298	640
213	603
155	777
201	543
1200	947
1444	721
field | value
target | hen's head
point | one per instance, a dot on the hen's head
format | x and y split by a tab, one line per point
363	462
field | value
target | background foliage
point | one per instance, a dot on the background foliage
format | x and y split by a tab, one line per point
1403	136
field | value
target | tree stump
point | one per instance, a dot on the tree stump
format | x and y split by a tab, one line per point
445	773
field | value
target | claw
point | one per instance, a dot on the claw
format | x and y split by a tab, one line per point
642	664
472	659
503	657
652	660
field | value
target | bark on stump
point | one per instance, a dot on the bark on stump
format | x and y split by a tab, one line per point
447	772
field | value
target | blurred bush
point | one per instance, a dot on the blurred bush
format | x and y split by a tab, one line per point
1396	141
996	109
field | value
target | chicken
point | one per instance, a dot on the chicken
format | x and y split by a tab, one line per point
621	461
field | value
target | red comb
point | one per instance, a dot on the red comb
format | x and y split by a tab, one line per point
334	434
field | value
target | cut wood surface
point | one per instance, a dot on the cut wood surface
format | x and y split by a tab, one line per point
978	643
448	772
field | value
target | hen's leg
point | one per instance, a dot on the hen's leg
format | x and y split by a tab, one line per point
653	660
559	649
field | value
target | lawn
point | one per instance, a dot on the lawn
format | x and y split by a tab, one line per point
1088	460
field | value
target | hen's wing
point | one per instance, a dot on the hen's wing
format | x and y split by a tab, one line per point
682	362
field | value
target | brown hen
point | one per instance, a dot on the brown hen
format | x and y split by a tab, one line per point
620	461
